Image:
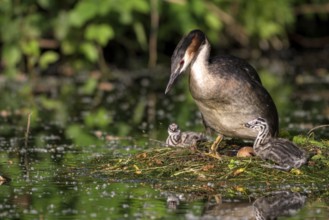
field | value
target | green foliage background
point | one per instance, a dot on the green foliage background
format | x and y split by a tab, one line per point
35	34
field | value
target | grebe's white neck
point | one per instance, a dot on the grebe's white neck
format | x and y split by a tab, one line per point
199	66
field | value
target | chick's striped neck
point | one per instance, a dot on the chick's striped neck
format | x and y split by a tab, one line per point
263	134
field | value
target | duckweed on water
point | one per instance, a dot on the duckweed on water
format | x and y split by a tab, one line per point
190	170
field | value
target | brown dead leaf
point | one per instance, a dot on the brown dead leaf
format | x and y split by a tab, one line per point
142	155
105	86
207	167
158	161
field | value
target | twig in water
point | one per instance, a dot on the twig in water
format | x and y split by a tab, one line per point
27	130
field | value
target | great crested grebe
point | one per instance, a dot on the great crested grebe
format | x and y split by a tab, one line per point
227	90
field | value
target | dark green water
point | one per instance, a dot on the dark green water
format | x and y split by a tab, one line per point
74	121
59	183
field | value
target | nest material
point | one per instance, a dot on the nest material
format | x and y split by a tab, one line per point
191	170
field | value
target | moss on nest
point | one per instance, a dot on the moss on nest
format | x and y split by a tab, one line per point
190	170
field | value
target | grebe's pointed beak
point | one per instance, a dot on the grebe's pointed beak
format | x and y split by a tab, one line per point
172	80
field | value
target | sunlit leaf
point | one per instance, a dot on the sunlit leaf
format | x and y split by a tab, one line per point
47	58
99	119
10	26
233	163
80	136
90	86
61	26
141	35
238	171
296	171
11	55
141	6
46	4
50	104
58	109
90	51
269	29
240	189
198	7
101	33
213	21
137	170
123	129
83	11
67	47
30	48
107	6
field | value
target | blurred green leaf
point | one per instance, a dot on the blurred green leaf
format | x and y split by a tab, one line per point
100	33
90	86
213	21
123	129
9	30
141	6
269	29
46	4
58	109
266	19
11	55
198	7
98	119
68	47
50	104
83	11
141	35
61	26
90	51
139	111
47	58
80	137
30	48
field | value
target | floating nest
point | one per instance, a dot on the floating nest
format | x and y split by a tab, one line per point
191	170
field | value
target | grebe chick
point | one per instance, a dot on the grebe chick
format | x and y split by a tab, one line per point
184	139
226	89
283	152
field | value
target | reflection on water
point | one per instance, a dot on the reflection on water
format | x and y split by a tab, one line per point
272	206
278	204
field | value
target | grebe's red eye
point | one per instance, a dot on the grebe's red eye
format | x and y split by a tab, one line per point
181	62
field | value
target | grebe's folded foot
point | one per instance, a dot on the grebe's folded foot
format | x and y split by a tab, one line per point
274	166
213	149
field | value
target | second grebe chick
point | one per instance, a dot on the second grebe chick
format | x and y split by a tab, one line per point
283	152
184	139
